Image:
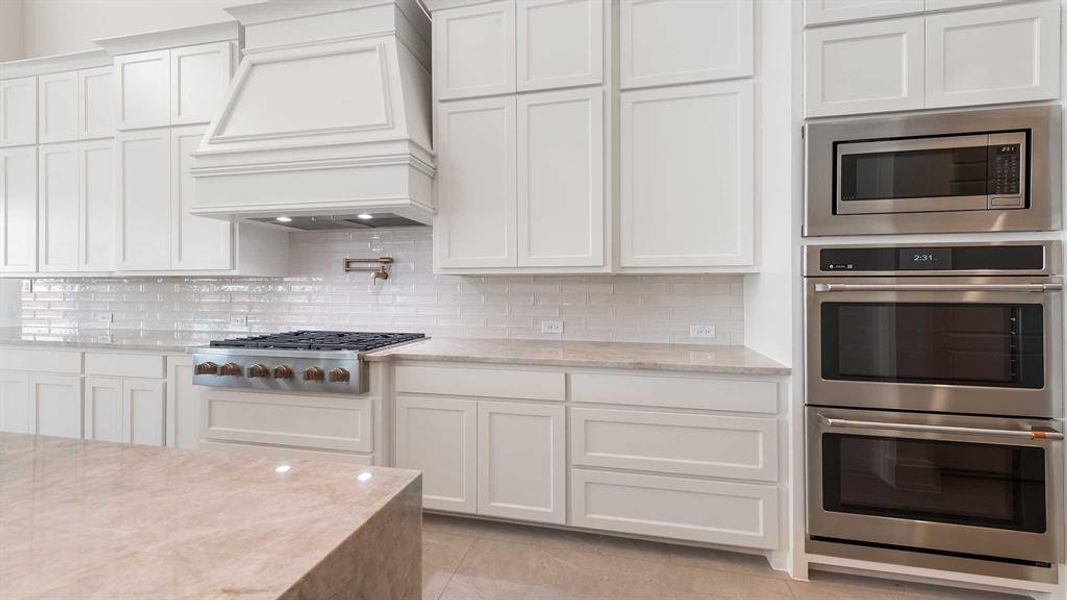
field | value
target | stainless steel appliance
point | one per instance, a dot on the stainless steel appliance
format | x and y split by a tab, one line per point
305	361
972	171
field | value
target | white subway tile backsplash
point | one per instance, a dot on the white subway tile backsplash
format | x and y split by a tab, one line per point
639	308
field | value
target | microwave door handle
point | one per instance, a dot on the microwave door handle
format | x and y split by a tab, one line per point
915	427
938	287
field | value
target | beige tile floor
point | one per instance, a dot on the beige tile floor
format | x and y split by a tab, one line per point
466	559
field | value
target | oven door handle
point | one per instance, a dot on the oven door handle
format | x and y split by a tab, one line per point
938	287
1033	434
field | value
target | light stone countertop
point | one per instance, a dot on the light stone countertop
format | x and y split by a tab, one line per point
82	519
147	341
618	355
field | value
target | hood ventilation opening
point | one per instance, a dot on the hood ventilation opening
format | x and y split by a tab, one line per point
357	221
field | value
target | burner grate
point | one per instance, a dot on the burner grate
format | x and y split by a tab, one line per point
320	340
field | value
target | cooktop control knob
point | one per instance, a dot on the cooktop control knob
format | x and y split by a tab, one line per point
231	369
339	375
283	372
258	370
313	374
206	368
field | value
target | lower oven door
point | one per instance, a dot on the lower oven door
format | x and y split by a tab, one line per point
978	486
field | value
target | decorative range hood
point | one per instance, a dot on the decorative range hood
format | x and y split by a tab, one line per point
327	117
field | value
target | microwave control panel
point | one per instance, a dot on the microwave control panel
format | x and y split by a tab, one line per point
1004	169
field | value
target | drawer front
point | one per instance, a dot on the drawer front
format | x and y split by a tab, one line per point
316	422
686	444
148	366
488	383
676	392
20	358
736	514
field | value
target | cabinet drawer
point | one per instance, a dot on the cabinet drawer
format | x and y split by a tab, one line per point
16	358
676	392
316	422
717	512
148	366
489	383
712	445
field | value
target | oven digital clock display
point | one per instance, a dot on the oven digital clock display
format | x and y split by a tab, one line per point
926	259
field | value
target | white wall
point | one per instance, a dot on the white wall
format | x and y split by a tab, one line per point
61	26
11	30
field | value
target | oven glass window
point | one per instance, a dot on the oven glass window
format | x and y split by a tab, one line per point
993	345
915	174
985	485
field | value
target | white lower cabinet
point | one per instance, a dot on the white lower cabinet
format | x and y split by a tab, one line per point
438	436
56	402
103	409
183	403
16	403
144	406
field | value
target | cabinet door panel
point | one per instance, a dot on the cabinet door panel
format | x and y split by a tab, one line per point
58	402
834	11
97	242
560	187
144	406
144	89
964	67
686	165
475	226
521	461
59	207
16	406
183	404
18	111
96	103
199	76
58	109
665	42
196	242
144	199
438	437
103	409
474	50
560	43
866	67
18	209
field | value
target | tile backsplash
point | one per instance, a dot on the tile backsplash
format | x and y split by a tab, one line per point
645	308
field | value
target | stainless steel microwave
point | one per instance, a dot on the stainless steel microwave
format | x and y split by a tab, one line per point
973	171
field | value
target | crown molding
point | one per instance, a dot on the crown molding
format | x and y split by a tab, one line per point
42	65
225	31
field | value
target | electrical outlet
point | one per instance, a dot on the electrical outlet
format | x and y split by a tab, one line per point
239	320
702	331
105	318
27	286
551	326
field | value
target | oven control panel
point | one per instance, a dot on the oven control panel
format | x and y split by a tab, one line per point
933	258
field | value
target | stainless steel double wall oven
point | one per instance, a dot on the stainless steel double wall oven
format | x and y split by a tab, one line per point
934	381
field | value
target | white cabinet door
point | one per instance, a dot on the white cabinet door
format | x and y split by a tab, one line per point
57	403
522	461
58	111
664	42
196	242
834	11
866	67
16	405
475	224
1000	54
59	205
103	409
144	408
198	78
560	43
183	404
474	50
96	103
438	436
96	244
560	187
687	176
18	209
144	189
18	111
144	89
936	5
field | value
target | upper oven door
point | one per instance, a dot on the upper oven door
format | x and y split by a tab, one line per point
974	345
931	174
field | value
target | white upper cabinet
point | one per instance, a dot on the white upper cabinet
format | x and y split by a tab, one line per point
475	224
864	67
58	111
18	111
96	103
18	209
474	50
664	42
58	204
992	55
687	176
834	11
560	198
196	242
144	189
96	239
198	78
560	43
144	89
